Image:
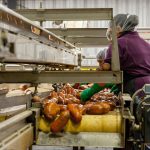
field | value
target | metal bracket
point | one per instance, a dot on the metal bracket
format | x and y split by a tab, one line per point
127	115
34	118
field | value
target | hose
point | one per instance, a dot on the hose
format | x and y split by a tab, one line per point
137	92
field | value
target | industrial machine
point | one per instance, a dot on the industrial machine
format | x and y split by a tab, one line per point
141	107
20	129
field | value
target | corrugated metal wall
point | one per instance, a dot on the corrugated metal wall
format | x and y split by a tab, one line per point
138	7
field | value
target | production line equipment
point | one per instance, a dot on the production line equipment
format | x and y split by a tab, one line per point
127	125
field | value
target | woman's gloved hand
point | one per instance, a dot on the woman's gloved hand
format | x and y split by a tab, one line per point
114	89
88	93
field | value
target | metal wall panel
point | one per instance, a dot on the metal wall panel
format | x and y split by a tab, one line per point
138	7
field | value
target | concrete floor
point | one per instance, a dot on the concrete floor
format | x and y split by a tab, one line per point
35	147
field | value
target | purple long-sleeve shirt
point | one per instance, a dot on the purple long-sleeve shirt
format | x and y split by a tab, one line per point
134	53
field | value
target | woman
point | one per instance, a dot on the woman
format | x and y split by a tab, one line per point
134	52
89	92
100	58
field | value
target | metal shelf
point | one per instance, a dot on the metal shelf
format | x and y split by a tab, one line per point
10	101
26	61
26	27
82	139
17	97
79	32
83	37
23	24
15	119
61	76
20	139
88	41
90	37
67	14
79	14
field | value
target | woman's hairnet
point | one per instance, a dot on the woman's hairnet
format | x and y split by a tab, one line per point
126	22
101	54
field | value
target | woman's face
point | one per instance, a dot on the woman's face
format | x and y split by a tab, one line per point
100	62
118	32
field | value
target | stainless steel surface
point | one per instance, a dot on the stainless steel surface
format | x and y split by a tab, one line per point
79	32
43	94
8	131
26	61
9	101
127	115
81	139
45	48
92	32
37	147
88	41
13	120
115	62
36	114
28	28
67	14
126	97
33	51
61	76
11	111
3	91
21	139
90	37
79	14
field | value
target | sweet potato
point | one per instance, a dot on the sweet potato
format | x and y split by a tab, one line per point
51	110
76	115
60	122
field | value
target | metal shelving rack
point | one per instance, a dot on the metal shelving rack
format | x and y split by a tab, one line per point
90	37
10	18
29	29
77	15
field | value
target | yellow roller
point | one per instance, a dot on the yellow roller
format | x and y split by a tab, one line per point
96	123
2	118
44	125
110	122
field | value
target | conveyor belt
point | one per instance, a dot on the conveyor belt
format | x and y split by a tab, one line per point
110	123
94	130
96	123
